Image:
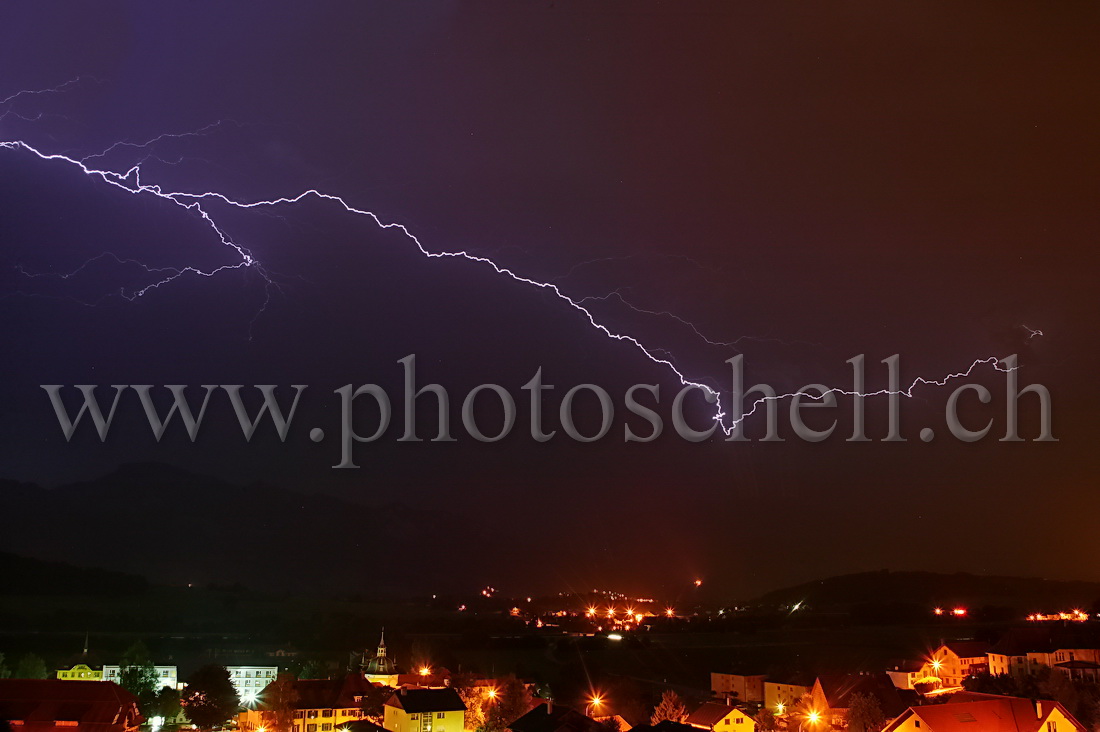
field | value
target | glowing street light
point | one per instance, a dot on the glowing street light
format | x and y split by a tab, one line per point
670	612
425	670
593	704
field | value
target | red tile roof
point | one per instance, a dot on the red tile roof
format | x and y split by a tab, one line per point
709	715
103	706
988	714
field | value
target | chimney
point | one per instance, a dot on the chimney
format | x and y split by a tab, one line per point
1038	709
549	706
729	701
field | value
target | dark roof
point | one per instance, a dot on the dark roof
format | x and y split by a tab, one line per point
968	649
664	726
709	715
327	693
1077	664
794	679
363	725
839	689
416	701
99	703
556	718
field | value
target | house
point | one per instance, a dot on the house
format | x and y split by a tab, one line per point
424	710
906	674
718	717
778	695
80	672
323	705
1009	657
551	717
986	713
737	686
166	675
832	695
54	705
1079	670
954	661
249	681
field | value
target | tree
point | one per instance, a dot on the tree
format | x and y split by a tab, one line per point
167	704
138	676
30	666
5	672
865	714
671	708
765	721
512	701
374	701
475	699
210	698
280	700
313	669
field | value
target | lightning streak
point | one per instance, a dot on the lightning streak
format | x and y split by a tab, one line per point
198	203
617	294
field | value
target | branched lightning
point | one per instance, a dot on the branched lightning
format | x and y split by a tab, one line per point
200	202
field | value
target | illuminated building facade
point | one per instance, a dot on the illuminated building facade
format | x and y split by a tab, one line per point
166	675
424	710
249	681
80	672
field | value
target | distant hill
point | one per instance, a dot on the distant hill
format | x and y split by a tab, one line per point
929	589
175	527
24	576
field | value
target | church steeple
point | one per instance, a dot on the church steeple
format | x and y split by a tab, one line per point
381	668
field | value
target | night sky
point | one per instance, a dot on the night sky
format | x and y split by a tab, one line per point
808	181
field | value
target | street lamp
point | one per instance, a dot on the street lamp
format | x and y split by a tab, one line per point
595	703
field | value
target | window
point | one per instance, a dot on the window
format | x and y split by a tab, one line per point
1052	727
439	715
326	712
311	728
326	727
740	720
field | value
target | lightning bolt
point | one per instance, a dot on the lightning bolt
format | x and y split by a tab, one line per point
1031	332
199	203
617	294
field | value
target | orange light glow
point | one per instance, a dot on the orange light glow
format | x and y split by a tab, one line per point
959	611
492	693
590	611
938	611
670	612
698	583
425	670
813	717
